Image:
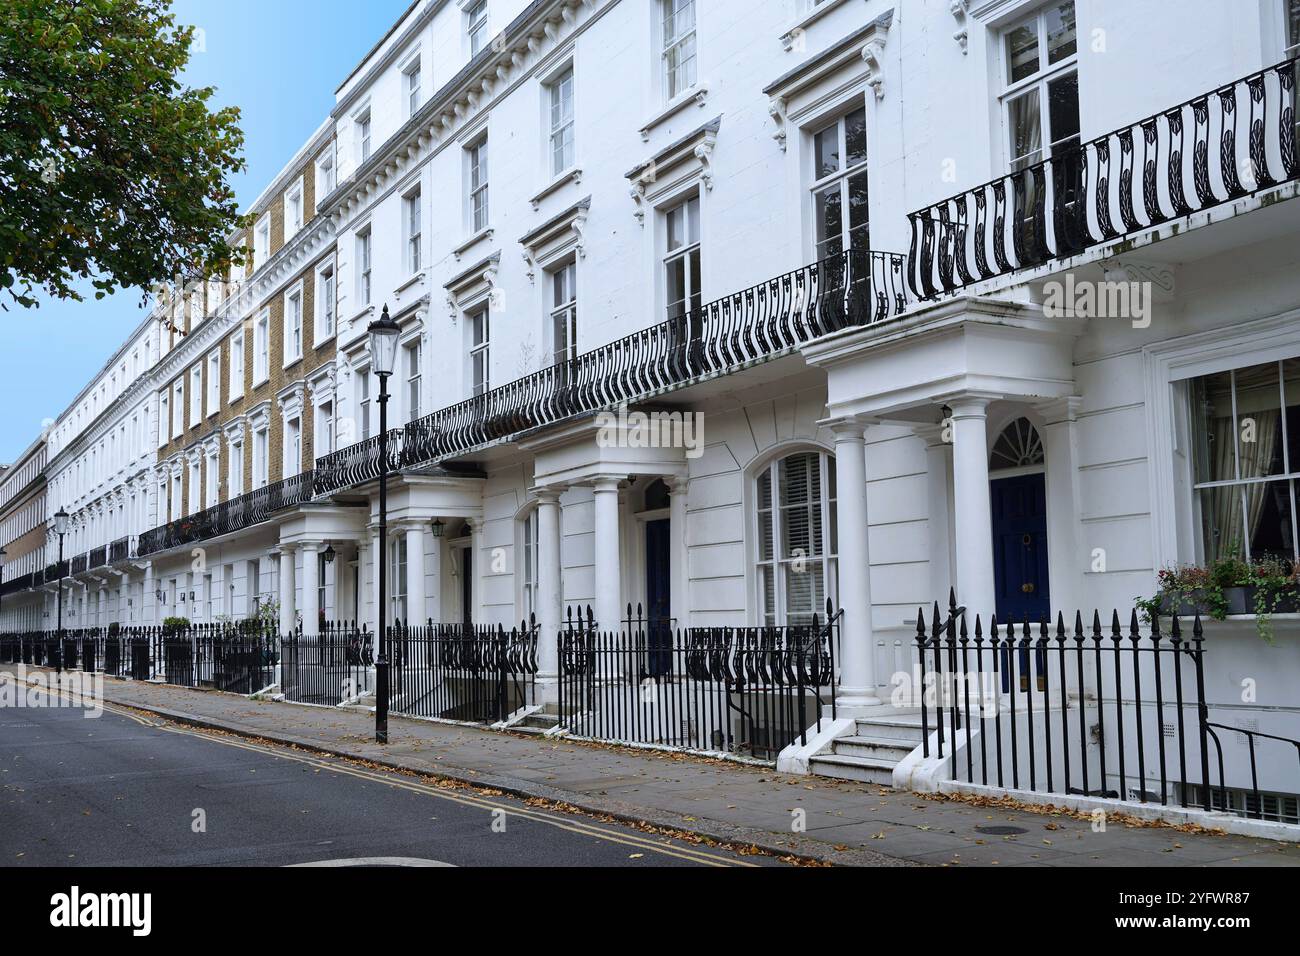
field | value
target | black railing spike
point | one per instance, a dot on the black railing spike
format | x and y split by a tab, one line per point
962	628
1133	623
920	623
1197	630
952	600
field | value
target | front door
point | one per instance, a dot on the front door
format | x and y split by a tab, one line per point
467	585
658	595
1020	547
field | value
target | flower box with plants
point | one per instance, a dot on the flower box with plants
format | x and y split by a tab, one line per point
1228	587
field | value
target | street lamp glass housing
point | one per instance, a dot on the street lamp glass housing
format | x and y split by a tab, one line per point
384	333
60	522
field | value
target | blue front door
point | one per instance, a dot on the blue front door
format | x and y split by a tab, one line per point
1020	547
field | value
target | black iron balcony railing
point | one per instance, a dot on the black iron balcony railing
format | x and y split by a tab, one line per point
853	288
1218	147
98	557
248	509
78	564
123	549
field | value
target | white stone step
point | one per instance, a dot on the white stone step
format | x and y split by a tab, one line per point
904	729
862	769
880	748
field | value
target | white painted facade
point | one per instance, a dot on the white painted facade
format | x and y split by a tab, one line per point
730	144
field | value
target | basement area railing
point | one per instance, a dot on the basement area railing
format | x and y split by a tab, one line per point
1218	147
853	288
1115	711
750	691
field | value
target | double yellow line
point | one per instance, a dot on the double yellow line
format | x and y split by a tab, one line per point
572	824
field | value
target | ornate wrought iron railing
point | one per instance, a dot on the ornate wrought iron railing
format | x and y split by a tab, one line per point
854	288
1217	147
98	557
123	549
236	514
78	564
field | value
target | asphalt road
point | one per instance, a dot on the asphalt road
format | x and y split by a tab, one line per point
127	790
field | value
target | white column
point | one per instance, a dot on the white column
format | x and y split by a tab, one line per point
550	609
857	687
1065	546
608	603
477	560
435	571
147	609
417	612
287	615
377	548
310	584
938	468
972	509
680	607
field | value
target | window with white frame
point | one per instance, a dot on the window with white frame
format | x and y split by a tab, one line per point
1246	442
178	408
323	441
235	468
796	536
196	395
261	242
411	361
479	349
411	208
363	266
363	403
214	383
560	91
212	479
237	364
564	313
326	173
261	456
528	585
1041	97
839	189
411	77
397	576
291	455
682	258
679	46
363	136
262	347
322	587
293	210
325	303
164	418
477	165
293	325
177	502
476	26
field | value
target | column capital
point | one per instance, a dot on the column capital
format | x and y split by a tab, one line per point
968	404
677	484
848	427
309	546
933	434
549	494
1060	410
605	482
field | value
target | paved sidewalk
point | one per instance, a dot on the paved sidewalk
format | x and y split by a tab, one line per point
846	823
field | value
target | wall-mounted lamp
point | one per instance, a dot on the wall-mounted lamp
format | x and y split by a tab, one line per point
438	527
329	554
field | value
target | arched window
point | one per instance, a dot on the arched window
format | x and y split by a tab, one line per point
1017	447
796	569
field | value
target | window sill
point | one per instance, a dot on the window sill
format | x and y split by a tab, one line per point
697	94
472	241
366	310
324	340
789	39
571	175
415	278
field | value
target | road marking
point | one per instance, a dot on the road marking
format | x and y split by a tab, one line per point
375	861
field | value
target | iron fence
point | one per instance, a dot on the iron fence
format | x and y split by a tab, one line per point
740	690
1114	711
331	667
1215	148
462	671
239	513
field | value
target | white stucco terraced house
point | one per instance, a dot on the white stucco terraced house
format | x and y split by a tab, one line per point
963	294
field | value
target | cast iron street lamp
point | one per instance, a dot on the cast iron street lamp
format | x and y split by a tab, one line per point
384	333
60	528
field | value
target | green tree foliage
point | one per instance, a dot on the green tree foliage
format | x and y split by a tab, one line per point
111	170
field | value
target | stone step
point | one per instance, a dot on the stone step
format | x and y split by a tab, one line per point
862	769
880	748
904	729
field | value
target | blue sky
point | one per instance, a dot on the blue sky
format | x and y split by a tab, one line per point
279	61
